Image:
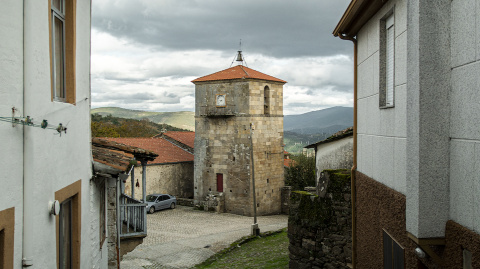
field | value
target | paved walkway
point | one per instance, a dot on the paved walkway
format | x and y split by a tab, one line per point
183	237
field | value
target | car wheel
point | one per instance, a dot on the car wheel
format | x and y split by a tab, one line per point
172	205
152	209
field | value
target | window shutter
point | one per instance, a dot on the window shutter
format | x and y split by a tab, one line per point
390	57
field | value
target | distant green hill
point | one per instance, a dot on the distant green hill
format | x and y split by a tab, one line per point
182	119
329	120
299	130
109	126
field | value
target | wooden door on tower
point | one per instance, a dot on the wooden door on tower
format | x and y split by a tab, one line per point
220	182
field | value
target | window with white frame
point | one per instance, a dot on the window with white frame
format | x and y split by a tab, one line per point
58	49
387	60
62	49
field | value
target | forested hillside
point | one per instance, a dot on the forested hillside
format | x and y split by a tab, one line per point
179	119
109	126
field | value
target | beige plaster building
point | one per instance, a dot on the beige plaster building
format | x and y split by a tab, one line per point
227	104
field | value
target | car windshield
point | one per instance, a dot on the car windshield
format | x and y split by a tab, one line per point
151	198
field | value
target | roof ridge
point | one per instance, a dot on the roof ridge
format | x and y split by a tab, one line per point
244	70
178	146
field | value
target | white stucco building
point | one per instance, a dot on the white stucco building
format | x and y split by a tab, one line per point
335	152
44	74
417	136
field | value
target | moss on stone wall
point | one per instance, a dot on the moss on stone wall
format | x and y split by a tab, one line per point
319	228
310	209
339	182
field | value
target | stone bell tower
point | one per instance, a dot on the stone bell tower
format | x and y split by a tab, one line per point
239	111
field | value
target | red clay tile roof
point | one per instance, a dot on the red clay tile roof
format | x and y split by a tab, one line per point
187	138
237	72
167	152
116	159
287	162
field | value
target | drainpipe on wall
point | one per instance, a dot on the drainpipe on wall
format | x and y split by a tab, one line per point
354	168
26	239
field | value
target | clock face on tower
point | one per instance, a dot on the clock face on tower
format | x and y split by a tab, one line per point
221	102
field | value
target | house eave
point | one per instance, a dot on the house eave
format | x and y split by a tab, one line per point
356	15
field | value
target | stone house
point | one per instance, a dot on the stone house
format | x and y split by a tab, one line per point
239	111
171	172
45	194
121	227
416	132
335	152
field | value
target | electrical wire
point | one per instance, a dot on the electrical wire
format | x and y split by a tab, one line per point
28	122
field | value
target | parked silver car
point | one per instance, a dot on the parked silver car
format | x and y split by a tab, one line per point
160	201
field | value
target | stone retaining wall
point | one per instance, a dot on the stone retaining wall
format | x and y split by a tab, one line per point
185	202
286	191
320	226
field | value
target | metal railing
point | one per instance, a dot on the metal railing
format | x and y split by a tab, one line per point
133	217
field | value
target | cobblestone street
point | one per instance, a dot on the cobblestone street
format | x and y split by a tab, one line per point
183	237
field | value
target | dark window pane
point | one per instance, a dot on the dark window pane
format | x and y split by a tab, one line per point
58	4
2	246
59	58
387	252
398	256
66	234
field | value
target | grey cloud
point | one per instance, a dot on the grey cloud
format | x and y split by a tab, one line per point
115	96
281	28
137	98
342	88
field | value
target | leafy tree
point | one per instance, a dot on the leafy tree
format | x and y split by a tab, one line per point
103	129
301	172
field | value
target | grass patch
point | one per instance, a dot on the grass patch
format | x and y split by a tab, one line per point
270	250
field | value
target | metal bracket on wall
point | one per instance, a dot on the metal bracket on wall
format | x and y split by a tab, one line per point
425	244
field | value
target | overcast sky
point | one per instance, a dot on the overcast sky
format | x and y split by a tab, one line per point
145	53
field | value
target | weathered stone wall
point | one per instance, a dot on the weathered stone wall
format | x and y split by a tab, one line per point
223	145
111	194
174	179
185	202
286	192
320	226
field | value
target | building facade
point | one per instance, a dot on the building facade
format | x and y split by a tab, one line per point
45	91
416	105
239	111
335	152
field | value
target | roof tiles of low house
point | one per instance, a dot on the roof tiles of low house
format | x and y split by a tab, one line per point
117	155
167	152
287	162
187	138
336	136
237	72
